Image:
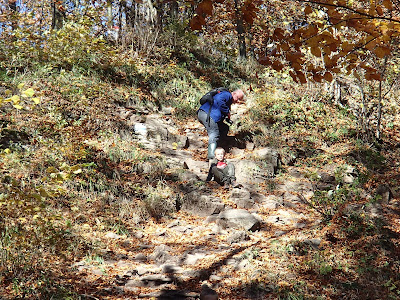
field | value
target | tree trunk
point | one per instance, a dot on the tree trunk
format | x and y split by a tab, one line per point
240	31
109	15
58	14
13	8
378	125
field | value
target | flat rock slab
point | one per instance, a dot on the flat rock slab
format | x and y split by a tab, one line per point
238	218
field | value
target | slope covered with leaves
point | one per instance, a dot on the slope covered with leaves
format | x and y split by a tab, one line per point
71	173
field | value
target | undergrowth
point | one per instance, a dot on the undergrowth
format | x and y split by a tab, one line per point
68	174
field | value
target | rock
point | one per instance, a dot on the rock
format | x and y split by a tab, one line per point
295	173
238	218
372	210
279	233
384	192
250	146
327	178
270	157
238	237
313	242
207	293
171	269
112	235
191	259
242	198
167	111
249	171
140	129
149	281
237	152
202	205
161	254
141	270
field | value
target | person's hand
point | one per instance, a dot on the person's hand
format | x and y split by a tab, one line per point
229	121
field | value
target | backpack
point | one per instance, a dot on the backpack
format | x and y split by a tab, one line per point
209	97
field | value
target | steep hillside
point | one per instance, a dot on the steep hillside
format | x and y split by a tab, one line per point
92	208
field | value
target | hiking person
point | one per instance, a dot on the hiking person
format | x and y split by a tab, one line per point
222	170
213	113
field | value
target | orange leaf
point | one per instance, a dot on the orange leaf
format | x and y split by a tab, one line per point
317	77
335	70
388	4
372	76
308	10
277	66
301	77
296	66
205	7
197	22
379	10
381	52
356	75
278	34
328	76
371	44
294	77
284	46
265	61
316	51
248	17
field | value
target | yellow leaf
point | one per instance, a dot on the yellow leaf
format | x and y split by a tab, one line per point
15	99
21	85
36	100
78	171
8	151
28	93
43	193
51	170
17	106
7	92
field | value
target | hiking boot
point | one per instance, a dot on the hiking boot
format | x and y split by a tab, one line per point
226	186
235	184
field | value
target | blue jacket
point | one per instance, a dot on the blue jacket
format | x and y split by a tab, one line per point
221	106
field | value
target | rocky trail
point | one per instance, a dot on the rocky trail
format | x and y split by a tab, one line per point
218	241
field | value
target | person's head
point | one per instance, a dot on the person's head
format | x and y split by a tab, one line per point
219	153
237	96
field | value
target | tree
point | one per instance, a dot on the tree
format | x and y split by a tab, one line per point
58	14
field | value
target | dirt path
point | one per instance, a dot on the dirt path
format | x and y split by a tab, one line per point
172	259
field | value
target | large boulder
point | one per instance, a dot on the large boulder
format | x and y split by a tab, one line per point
238	218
